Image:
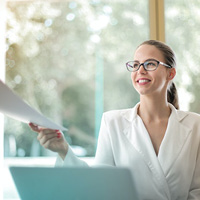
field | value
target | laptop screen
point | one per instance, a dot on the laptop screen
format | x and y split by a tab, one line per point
104	183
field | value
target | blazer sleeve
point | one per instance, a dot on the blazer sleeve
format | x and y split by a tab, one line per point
194	193
71	160
104	154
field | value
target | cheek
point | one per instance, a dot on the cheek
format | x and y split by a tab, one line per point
132	77
160	81
163	77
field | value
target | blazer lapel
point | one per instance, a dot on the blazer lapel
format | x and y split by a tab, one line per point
138	136
174	140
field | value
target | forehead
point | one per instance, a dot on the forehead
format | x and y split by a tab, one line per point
145	52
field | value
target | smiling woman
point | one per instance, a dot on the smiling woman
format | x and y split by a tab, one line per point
165	54
144	138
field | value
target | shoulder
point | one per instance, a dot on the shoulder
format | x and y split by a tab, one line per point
118	115
123	115
190	115
185	115
116	120
190	119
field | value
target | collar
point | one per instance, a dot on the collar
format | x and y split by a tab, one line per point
131	114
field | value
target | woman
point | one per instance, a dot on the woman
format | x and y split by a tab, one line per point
159	143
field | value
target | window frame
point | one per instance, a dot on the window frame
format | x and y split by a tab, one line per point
157	20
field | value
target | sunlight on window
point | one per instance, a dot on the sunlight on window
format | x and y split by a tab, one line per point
65	59
182	34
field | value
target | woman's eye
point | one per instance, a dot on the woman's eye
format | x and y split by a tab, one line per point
135	65
151	64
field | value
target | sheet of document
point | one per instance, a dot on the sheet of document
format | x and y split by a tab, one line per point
13	106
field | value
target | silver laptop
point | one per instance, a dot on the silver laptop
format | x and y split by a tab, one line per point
43	183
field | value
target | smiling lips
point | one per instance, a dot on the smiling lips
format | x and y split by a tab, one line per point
143	81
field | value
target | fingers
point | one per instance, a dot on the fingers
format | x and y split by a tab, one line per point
34	127
38	129
48	138
48	144
47	135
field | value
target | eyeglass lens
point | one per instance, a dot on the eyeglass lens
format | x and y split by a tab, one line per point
148	65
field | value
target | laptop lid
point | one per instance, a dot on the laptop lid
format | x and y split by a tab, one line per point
46	183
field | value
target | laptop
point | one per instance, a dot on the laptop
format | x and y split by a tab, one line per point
99	183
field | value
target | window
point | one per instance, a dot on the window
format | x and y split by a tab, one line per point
182	34
67	60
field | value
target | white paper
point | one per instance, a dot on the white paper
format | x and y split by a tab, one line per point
13	106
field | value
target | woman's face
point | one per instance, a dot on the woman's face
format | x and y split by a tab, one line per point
150	82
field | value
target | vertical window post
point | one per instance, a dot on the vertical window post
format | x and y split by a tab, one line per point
156	17
2	77
99	106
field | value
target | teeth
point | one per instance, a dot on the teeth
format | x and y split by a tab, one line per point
143	81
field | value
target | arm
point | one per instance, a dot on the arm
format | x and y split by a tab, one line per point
194	193
54	141
104	153
70	160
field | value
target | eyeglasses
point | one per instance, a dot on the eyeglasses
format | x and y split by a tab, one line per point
149	65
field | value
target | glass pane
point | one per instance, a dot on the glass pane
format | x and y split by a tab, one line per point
182	34
67	60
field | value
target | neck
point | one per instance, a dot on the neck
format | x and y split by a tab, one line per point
153	109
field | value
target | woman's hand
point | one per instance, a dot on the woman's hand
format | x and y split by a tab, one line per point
51	139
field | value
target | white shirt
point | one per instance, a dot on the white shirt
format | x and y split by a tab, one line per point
124	142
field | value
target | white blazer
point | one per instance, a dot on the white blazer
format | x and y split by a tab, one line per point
124	141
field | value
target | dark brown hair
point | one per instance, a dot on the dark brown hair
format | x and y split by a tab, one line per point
170	59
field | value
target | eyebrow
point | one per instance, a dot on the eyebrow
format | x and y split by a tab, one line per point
146	60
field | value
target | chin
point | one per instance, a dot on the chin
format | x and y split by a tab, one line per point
142	91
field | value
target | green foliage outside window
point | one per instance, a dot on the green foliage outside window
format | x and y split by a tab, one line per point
58	54
182	22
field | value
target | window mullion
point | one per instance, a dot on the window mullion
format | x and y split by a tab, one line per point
156	20
2	77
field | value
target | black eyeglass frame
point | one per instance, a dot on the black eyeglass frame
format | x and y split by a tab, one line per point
144	64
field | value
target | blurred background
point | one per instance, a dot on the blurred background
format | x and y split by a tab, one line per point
67	60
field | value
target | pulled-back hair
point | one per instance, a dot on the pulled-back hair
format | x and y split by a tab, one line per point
170	59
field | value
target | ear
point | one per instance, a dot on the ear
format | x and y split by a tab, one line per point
171	74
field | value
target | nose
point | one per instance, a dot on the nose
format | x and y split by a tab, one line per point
141	69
